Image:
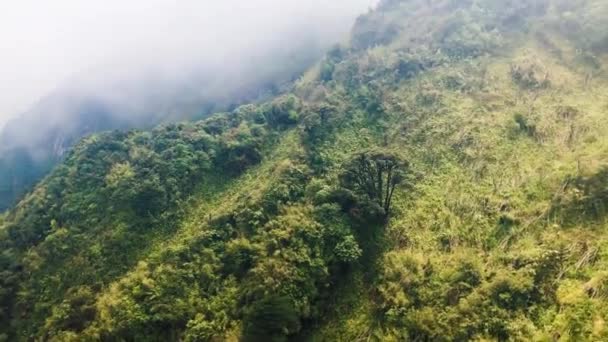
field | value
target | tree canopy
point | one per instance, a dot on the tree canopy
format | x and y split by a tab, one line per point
375	175
440	178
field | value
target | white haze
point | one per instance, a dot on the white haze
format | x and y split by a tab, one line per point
44	44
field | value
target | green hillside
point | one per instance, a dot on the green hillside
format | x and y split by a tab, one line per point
444	177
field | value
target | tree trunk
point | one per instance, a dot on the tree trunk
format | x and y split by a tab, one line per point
389	179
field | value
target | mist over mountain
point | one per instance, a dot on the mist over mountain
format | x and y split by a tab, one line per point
440	176
181	64
45	44
142	96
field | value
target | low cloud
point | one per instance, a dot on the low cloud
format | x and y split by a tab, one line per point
72	43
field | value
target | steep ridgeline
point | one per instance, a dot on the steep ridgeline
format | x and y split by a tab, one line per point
34	142
442	178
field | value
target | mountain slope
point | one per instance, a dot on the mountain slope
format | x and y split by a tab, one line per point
488	118
104	99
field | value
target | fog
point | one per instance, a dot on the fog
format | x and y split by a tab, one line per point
50	45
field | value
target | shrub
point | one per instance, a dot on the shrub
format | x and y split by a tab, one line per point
270	319
524	125
283	111
529	73
348	250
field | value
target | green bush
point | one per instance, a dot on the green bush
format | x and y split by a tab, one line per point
270	319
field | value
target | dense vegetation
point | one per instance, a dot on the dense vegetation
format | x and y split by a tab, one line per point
443	178
32	143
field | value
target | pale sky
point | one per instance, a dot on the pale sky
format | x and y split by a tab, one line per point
43	43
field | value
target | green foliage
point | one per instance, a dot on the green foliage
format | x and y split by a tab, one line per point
240	256
584	198
530	74
125	187
461	36
375	175
524	125
300	219
452	297
76	310
348	249
283	111
240	149
270	319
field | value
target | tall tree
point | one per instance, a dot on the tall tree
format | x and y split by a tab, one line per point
375	175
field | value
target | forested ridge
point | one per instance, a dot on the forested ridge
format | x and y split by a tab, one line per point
37	140
442	177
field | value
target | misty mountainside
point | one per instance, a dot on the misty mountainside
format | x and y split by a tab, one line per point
102	99
443	177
